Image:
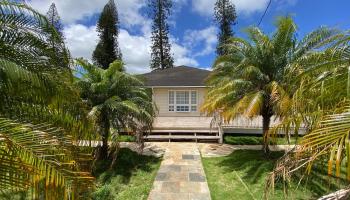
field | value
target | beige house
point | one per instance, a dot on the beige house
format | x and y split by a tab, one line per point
178	94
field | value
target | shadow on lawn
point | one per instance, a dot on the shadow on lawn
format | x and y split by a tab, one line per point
255	167
127	163
252	162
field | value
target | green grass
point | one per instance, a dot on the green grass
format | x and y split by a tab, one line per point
254	140
131	179
126	138
242	175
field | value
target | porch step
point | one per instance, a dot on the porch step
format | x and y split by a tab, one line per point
181	137
183	131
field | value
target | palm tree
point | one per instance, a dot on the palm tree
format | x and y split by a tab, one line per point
116	99
40	111
323	106
254	78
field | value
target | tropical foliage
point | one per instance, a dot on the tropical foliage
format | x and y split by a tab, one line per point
117	103
321	103
41	114
256	77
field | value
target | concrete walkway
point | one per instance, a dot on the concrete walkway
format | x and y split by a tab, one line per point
181	175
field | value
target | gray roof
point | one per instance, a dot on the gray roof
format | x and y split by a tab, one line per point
177	76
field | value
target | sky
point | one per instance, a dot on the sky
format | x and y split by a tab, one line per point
193	32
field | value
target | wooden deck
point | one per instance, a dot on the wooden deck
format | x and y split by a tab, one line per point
183	128
199	128
182	123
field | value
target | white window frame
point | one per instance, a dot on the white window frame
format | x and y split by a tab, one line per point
171	104
189	105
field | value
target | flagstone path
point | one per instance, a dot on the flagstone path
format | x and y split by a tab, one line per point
181	175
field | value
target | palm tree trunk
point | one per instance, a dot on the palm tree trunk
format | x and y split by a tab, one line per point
266	127
105	135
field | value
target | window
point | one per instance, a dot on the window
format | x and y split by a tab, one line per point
193	97
171	100
171	97
182	101
193	101
193	108
182	108
182	97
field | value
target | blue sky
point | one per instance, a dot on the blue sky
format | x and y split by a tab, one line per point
192	29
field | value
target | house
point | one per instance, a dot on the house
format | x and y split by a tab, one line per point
178	94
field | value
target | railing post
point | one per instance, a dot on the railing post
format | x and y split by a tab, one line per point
219	123
221	134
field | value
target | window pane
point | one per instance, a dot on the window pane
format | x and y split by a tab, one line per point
171	97
182	97
171	108
193	97
193	108
182	108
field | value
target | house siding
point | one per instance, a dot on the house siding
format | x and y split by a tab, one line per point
160	97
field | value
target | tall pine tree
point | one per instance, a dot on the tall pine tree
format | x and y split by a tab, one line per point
107	49
161	57
57	39
54	19
225	16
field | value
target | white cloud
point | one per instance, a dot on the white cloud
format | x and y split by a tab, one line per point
71	11
129	12
208	68
207	37
182	55
81	40
246	7
136	52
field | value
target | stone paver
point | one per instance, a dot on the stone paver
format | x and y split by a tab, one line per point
181	175
217	150
207	149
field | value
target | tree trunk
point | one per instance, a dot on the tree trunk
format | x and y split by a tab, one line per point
105	135
266	127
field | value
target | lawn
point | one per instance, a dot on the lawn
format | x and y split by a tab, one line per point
255	140
126	138
241	175
131	179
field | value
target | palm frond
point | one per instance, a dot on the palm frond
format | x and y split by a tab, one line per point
41	114
39	153
27	38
